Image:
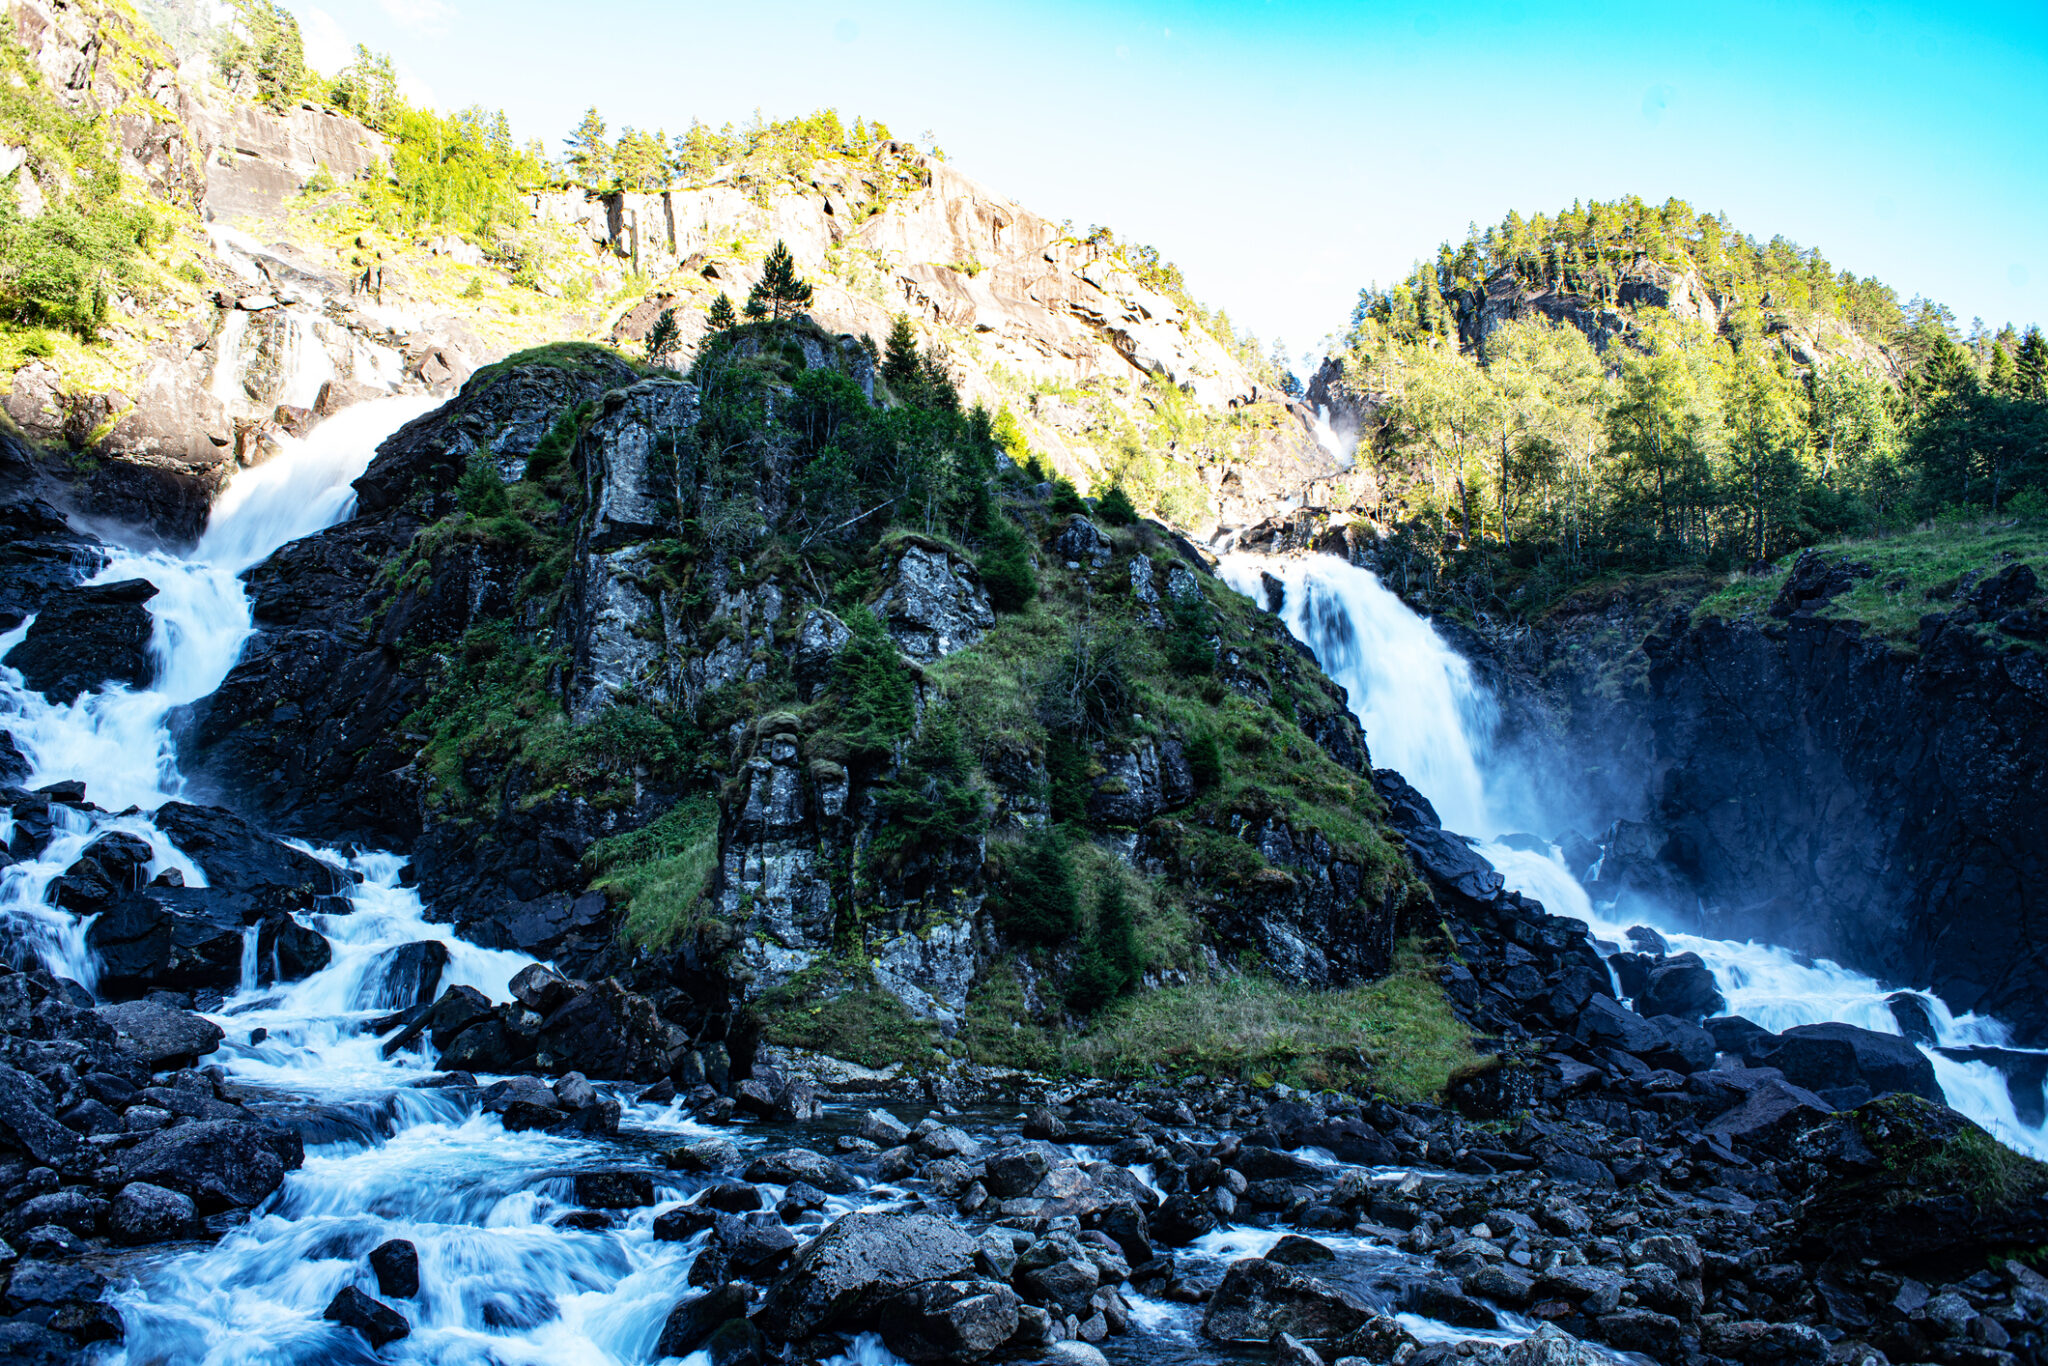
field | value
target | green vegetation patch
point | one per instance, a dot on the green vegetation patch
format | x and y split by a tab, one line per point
836	1008
1397	1036
661	873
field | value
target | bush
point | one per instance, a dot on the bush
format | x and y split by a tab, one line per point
1039	904
481	491
932	801
1109	956
875	705
1190	646
1066	499
1116	508
1006	568
1205	761
1067	762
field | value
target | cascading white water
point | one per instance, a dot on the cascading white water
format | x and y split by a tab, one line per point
1428	717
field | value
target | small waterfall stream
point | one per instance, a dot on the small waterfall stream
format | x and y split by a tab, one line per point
1427	715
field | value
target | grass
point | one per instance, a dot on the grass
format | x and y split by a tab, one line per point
1397	1036
1918	572
837	1009
660	873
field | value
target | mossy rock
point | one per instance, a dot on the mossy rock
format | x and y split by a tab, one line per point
1912	1183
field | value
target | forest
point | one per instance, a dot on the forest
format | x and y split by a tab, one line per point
1628	387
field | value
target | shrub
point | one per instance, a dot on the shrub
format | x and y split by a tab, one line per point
1205	760
1067	762
1066	500
481	491
1190	644
1116	507
875	705
1039	904
1109	955
1006	568
932	801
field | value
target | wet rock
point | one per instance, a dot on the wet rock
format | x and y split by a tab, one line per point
287	951
606	1031
1445	1303
1641	1330
397	1267
523	1103
692	1322
1823	1057
541	989
1295	1250
739	1250
1915	1021
801	1164
88	637
219	1164
703	1155
239	858
614	1189
885	1130
40	1285
378	1323
842	1276
1258	1299
158	1036
26	1115
953	1320
177	938
411	974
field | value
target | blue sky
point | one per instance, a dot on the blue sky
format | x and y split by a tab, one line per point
1286	152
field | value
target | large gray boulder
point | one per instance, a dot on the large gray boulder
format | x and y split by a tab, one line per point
841	1277
218	1163
160	1036
1828	1057
1260	1299
936	604
960	1320
143	1213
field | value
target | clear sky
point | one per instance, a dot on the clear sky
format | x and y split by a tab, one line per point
1286	152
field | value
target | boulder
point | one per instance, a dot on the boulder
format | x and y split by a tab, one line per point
1259	1299
411	974
397	1267
1683	1046
287	951
89	637
692	1322
953	1320
541	989
160	1036
1772	1109
170	938
1681	985
378	1323
220	1164
240	858
27	1117
935	605
738	1250
608	1032
1606	1022
614	1189
841	1277
1825	1057
801	1164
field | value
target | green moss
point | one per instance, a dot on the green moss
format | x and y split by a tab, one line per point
582	358
1397	1036
1927	1152
836	1008
660	874
999	1029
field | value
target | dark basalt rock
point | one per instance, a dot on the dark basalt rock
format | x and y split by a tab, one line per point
219	1164
41	557
397	1267
1260	1299
159	1036
411	974
843	1276
176	938
692	1322
1824	1057
89	637
378	1323
240	858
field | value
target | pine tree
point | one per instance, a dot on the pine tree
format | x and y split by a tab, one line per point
781	287
590	152
664	337
722	315
2031	365
900	365
1109	956
2002	374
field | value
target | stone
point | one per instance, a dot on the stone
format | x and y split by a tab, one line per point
1258	1299
39	1284
287	951
1827	1056
843	1275
1295	1250
160	1036
801	1164
614	1189
885	1130
378	1323
1444	1302
608	1032
25	1115
89	637
739	1250
703	1155
219	1164
411	974
935	605
540	988
951	1320
397	1267
692	1322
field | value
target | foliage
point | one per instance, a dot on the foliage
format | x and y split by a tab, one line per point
932	800
1005	568
1108	967
781	289
837	1009
660	873
1039	903
1397	1036
720	316
263	52
1115	507
665	337
873	690
1205	760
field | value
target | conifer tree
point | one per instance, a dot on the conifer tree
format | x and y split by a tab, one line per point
722	315
900	365
664	337
590	151
1109	955
781	287
2031	365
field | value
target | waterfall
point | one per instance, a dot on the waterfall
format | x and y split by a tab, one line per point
1426	715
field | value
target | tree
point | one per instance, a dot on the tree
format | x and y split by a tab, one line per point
267	52
367	89
664	337
900	365
721	316
1766	450
590	152
2030	366
780	287
1109	954
1039	903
